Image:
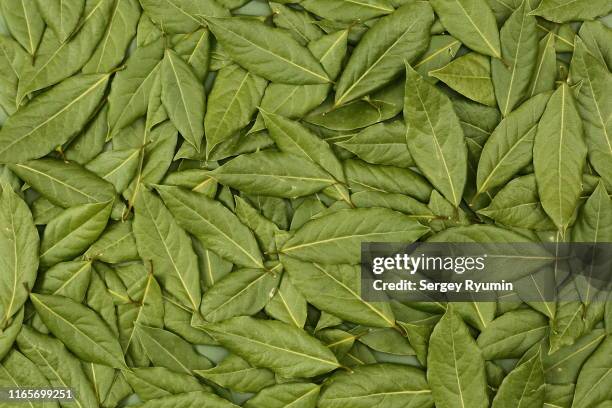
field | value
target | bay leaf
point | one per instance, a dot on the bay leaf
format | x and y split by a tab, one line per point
433	131
456	372
393	385
335	289
159	238
380	55
24	22
335	238
519	47
470	75
232	102
563	136
236	374
285	349
181	16
19	254
214	225
73	231
63	183
274	174
119	33
268	52
80	328
509	148
183	97
51	119
241	293
472	22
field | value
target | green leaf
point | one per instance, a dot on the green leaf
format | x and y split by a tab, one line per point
119	33
518	205
383	143
477	314
336	238
388	385
301	24
594	221
335	289
288	305
10	332
509	148
18	253
232	102
478	233
386	179
70	279
24	22
561	11
559	154
73	231
379	106
295	101
512	334
595	108
380	55
434	132
471	22
90	142
186	400
131	87
59	366
64	183
348	10
295	395
470	75
241	293
62	16
594	380
558	395
236	374
146	308
396	202
117	244
519	42
523	387
291	137
595	34
285	349
194	48
183	97
268	52
181	16
80	329
442	49
116	166
214	225
166	349
387	340
456	372
545	73
17	371
265	230
273	173
563	366
44	211
51	119
161	240
13	60
56	60
157	382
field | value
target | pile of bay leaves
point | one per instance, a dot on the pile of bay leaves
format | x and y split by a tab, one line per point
186	185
